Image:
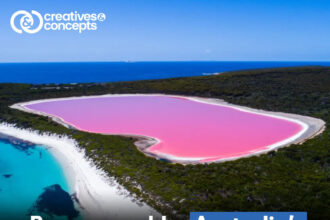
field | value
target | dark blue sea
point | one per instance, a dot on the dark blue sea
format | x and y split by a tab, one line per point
37	73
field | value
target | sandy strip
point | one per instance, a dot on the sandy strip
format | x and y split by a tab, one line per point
310	126
100	196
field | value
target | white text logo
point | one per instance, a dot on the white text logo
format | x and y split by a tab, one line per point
73	21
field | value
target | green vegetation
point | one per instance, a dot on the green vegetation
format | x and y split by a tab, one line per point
294	178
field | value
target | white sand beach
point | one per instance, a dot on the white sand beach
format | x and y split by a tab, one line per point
100	196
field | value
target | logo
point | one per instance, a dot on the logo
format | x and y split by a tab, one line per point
31	23
26	21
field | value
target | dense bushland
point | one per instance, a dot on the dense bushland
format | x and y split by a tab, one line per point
294	178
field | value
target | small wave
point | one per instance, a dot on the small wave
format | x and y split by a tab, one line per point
210	74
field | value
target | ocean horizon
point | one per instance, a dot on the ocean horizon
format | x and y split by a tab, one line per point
98	72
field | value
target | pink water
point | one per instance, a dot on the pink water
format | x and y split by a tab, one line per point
185	128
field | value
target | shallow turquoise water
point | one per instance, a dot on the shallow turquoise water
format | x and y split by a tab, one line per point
25	171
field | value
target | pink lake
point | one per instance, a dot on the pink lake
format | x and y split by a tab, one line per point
186	129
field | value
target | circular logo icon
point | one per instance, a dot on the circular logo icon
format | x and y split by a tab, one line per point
26	22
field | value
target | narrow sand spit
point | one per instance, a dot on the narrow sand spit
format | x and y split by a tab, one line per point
100	196
310	126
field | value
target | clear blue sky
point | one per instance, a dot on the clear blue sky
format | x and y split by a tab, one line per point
153	30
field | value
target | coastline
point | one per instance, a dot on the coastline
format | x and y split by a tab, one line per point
311	127
99	196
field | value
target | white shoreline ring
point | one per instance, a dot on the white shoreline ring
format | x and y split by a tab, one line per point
210	101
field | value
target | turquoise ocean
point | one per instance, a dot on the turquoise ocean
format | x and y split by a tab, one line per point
30	181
